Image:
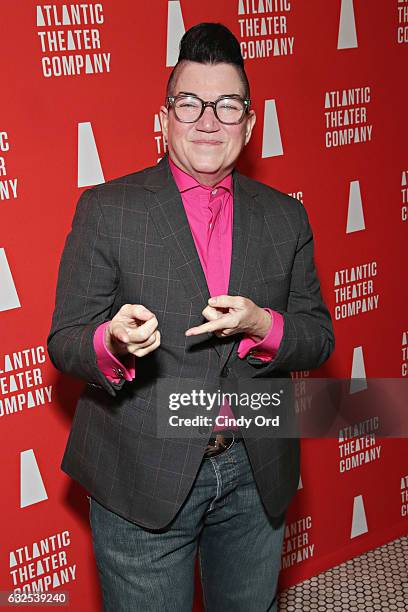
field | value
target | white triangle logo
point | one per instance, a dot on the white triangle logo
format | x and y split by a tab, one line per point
175	31
55	581
358	381
89	165
271	139
359	522
40	18
8	293
347	29
70	41
32	488
355	214
157	124
300	485
88	65
12	559
404	179
65	16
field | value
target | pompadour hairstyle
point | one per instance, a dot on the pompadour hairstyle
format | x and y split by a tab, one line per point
210	43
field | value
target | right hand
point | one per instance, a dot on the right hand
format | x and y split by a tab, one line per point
132	330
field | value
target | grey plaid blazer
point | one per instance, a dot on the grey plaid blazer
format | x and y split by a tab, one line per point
130	242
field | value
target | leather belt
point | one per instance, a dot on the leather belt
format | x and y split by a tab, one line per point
219	442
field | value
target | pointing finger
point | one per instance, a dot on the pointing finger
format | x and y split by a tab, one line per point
220	323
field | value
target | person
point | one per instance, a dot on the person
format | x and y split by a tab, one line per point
186	270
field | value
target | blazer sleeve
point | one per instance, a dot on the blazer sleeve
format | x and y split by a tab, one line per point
308	338
86	287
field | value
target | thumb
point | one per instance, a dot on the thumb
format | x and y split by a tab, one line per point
221	301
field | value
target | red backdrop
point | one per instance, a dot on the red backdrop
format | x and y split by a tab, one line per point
81	88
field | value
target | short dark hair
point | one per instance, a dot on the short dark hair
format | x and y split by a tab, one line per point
210	43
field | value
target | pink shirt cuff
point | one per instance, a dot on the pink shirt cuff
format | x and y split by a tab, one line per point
267	348
110	366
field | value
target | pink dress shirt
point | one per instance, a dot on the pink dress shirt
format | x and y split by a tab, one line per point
209	212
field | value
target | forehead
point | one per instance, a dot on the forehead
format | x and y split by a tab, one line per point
208	80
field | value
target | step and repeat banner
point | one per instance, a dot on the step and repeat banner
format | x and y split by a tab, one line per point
81	87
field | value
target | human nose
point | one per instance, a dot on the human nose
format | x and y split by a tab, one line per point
208	121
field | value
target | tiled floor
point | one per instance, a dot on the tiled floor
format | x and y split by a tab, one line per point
375	581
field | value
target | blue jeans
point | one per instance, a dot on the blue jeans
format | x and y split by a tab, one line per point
239	548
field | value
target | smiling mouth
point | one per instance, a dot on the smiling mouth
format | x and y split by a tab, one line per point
207	142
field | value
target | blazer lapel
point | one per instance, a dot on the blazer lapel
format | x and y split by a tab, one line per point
246	236
166	208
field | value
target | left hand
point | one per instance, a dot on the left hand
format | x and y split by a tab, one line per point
233	314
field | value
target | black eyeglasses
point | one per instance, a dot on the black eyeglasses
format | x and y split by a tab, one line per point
227	109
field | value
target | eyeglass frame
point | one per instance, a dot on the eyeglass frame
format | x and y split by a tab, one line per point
246	101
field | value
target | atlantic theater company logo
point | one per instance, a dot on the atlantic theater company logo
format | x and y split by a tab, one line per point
8	186
346	116
264	29
404	354
70	39
358	445
160	145
404	195
42	565
297	545
22	381
354	290
402	29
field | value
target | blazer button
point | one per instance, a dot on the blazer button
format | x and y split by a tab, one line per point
225	371
202	429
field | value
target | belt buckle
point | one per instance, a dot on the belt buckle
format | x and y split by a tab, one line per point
219	448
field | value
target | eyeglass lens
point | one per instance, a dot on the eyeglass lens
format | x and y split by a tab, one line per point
228	110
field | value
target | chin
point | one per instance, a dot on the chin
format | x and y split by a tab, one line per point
201	164
203	169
